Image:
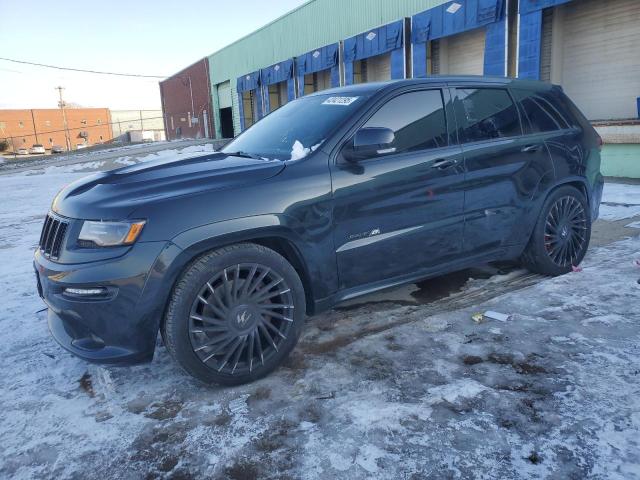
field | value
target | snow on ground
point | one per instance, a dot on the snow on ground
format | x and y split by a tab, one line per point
620	201
375	390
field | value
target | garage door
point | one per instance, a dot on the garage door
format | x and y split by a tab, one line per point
224	95
461	54
601	57
379	68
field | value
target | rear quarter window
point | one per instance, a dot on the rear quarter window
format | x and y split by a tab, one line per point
544	111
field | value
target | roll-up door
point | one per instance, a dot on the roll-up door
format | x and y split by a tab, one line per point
317	81
601	57
546	46
379	68
224	95
461	54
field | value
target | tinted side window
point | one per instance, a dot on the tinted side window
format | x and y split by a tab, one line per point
488	113
565	107
543	115
417	119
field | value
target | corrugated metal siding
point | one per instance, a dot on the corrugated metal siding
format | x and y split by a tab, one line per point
314	24
236	110
601	58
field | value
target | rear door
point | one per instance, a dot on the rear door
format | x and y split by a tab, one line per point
504	168
400	211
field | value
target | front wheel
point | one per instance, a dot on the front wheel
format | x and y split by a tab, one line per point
235	314
561	235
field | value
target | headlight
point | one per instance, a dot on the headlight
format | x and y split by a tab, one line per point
110	234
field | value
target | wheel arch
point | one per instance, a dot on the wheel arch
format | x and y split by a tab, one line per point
269	231
578	183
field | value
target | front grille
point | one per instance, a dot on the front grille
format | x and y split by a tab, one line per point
52	236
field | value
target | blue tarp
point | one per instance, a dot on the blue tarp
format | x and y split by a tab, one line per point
251	81
373	42
388	38
530	6
530	45
456	17
246	83
437	22
495	52
279	72
317	60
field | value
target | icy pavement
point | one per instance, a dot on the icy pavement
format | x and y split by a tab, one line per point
384	389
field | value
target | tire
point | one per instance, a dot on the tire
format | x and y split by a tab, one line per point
561	234
235	314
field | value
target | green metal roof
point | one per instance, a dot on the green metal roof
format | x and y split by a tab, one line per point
312	25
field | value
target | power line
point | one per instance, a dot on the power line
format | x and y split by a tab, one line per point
81	70
85	127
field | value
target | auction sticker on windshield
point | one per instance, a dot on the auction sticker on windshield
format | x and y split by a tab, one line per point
340	101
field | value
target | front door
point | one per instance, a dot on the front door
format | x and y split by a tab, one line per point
401	211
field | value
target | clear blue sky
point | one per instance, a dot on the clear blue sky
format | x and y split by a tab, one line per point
138	36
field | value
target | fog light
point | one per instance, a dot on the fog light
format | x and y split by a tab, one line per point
86	292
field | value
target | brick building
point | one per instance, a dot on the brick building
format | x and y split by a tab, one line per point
85	126
186	102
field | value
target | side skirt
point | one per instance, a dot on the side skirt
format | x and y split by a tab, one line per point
502	253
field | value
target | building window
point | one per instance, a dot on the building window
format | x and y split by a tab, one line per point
100	137
50	140
21	124
83	122
47	123
100	123
3	125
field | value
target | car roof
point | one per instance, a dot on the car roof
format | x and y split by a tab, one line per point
370	88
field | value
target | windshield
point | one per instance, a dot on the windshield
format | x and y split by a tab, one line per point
296	129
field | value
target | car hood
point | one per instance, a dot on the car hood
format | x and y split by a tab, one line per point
117	193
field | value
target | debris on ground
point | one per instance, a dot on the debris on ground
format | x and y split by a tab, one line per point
501	317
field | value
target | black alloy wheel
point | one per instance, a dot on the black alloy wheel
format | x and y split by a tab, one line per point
560	237
565	231
240	318
235	314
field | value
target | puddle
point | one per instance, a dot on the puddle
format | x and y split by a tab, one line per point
443	286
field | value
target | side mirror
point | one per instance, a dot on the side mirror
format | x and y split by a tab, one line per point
370	142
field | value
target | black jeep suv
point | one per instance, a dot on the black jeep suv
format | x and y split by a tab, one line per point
334	195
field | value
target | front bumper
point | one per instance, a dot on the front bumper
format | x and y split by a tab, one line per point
121	326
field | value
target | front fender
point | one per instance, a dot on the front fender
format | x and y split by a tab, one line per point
314	247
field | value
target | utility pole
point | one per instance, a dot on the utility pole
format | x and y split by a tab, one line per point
64	119
33	121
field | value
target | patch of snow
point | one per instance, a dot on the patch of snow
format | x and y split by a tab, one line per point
452	392
126	160
299	151
620	201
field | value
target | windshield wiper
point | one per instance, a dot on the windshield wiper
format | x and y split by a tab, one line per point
244	155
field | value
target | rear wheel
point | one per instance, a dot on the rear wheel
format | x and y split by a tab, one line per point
561	235
235	314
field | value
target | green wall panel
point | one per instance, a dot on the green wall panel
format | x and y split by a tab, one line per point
621	160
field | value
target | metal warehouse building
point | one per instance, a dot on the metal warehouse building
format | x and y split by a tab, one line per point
590	47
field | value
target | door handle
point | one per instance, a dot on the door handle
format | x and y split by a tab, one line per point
443	163
532	148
